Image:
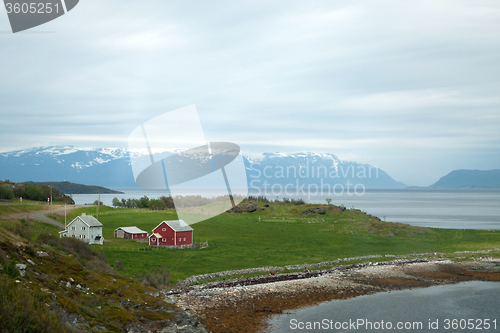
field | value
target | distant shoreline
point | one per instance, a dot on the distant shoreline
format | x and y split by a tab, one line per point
73	188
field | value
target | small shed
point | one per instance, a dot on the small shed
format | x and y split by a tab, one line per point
131	233
171	233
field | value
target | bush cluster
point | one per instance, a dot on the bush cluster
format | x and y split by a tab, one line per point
9	190
159	279
264	199
154	204
164	202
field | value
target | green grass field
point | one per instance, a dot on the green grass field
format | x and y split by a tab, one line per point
281	237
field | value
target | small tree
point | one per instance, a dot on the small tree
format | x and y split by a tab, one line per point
116	202
6	192
328	200
144	202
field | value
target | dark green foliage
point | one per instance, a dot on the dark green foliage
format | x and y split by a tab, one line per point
169	202
292	201
262	198
34	192
11	269
116	202
6	192
67	187
21	310
157	204
144	202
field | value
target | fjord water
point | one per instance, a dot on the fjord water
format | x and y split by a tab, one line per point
466	209
438	209
437	305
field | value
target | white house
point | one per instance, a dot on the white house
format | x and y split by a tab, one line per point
85	227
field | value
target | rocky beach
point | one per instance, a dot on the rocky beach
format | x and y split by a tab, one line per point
245	305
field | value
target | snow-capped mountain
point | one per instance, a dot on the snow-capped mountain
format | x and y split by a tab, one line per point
110	167
323	170
89	166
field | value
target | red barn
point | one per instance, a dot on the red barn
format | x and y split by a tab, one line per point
171	233
131	233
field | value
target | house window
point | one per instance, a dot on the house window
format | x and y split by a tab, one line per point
73	228
184	238
164	229
83	228
163	240
153	239
180	239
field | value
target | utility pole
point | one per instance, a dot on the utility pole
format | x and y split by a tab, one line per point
51	200
98	204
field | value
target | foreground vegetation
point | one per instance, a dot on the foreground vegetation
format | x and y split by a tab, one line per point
66	286
279	235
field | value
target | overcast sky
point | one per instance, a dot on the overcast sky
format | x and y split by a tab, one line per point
412	87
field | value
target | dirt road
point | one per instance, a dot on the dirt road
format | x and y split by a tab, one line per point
42	215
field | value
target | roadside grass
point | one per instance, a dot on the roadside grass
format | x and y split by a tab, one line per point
238	241
10	208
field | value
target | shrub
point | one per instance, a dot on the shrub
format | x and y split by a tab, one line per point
23	310
6	192
159	279
11	270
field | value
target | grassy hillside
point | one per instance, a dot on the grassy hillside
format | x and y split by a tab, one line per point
65	286
276	236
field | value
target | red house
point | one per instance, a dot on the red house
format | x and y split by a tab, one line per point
131	233
171	233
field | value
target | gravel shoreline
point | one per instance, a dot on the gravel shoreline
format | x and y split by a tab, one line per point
245	305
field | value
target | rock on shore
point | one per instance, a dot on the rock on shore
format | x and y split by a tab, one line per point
244	305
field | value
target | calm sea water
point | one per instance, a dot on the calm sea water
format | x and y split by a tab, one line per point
438	209
446	308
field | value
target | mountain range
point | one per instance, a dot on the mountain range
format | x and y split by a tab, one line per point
110	167
469	179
